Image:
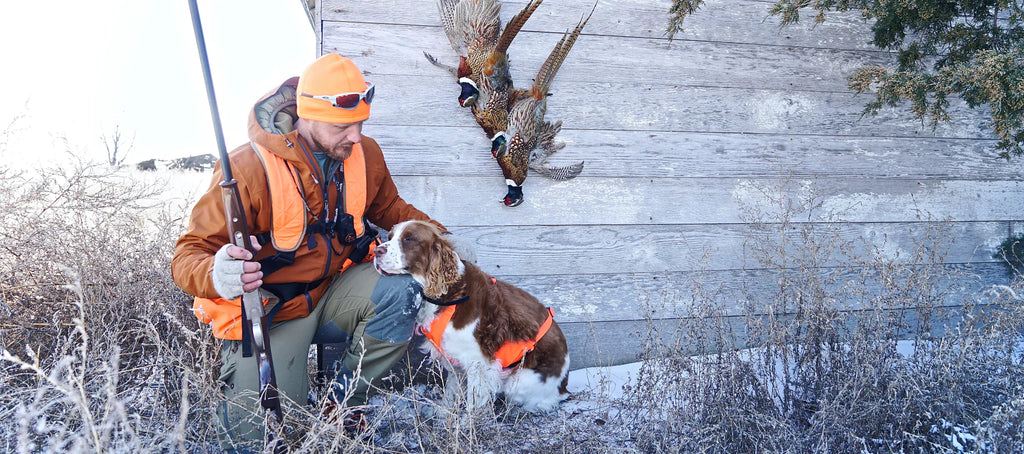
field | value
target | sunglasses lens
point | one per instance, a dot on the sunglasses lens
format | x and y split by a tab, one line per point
349	101
369	95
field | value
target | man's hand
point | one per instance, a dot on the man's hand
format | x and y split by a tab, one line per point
233	271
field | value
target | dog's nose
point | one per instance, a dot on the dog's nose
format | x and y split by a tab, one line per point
380	250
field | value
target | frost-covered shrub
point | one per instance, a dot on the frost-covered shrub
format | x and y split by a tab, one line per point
842	348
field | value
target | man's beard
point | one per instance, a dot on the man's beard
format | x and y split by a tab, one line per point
338	153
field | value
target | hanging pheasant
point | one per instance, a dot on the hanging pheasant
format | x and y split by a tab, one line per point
497	93
473	28
530	138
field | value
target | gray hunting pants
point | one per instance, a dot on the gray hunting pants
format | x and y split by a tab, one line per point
379	313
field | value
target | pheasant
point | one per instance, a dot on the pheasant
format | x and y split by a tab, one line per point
497	93
527	131
474	30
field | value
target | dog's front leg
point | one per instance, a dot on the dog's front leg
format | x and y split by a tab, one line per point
454	388
482	384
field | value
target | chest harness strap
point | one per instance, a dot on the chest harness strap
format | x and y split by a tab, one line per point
288	227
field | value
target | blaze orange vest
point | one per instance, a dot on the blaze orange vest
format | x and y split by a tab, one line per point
509	354
288	227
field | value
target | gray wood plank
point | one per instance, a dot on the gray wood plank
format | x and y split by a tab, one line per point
464	151
418	101
611	58
549	250
638	201
588	298
737	21
606	343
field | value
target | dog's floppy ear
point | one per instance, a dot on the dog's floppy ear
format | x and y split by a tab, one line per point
442	270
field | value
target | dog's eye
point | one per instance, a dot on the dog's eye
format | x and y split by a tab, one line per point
410	239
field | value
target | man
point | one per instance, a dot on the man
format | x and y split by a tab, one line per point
308	180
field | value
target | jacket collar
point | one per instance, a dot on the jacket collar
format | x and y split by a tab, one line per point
272	122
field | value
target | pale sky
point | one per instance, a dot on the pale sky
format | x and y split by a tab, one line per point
78	69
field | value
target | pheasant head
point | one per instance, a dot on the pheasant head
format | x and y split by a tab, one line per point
470	92
499	144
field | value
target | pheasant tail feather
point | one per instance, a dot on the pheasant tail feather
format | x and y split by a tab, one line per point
514	25
554	61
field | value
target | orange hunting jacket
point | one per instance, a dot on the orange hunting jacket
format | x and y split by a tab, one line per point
271	128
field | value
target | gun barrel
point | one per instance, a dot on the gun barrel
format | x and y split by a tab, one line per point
197	27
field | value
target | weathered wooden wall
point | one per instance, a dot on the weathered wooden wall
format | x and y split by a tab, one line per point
680	140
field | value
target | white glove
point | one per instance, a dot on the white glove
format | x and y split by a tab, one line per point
462	247
227	274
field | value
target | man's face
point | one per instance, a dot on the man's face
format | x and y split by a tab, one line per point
335	139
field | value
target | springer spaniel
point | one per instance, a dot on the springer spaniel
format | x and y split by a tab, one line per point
479	325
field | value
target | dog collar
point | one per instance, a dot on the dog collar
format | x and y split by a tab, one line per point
444	303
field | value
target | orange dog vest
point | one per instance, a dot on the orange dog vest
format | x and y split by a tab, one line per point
508	355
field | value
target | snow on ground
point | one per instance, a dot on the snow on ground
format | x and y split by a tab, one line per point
587	416
606	382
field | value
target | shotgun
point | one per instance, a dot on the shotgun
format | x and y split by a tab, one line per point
254	320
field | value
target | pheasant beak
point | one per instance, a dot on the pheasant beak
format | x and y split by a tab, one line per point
514	197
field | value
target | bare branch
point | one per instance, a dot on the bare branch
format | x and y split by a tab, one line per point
118	146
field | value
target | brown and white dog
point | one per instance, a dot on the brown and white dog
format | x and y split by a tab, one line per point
488	314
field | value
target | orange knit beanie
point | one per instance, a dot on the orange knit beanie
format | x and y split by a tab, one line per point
330	75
